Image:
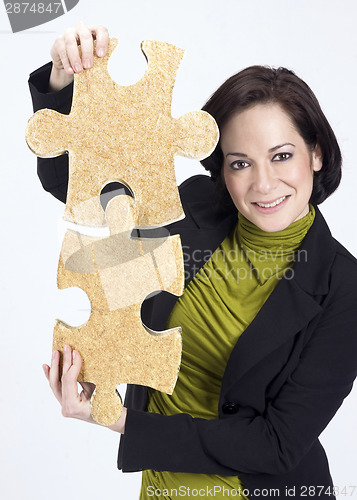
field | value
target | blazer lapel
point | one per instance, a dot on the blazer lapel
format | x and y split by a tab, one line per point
286	312
293	303
290	307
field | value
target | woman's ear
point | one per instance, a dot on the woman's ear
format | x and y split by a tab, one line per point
317	158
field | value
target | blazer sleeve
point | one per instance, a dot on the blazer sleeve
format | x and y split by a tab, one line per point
53	172
273	442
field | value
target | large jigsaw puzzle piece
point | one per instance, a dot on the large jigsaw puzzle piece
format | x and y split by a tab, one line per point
124	134
118	273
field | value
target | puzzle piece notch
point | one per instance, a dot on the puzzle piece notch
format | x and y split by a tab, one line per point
113	130
114	344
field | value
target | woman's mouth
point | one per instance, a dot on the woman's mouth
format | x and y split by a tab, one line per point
271	206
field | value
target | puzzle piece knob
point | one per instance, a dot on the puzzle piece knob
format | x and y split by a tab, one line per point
106	407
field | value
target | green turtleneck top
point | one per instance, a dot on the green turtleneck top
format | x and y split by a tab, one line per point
216	307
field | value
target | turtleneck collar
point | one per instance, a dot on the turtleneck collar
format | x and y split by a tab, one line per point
271	253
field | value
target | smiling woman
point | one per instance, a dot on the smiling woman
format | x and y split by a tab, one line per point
269	318
261	85
274	174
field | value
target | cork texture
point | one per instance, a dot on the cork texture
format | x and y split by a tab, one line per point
124	134
117	273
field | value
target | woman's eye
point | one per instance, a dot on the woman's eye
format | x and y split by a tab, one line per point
239	165
282	156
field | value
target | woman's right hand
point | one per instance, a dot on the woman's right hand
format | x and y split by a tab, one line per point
65	54
63	383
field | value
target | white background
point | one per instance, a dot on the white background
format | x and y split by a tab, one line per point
44	455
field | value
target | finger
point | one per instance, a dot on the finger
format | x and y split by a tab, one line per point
46	370
88	389
60	58
76	364
67	359
72	404
102	36
71	50
85	39
54	378
70	376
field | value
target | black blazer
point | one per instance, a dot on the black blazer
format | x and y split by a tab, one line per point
285	379
287	374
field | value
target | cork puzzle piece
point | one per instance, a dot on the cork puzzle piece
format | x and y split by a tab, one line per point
117	273
124	134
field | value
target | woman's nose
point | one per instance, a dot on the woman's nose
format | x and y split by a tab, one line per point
264	179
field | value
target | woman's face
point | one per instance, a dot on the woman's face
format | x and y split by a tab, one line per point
268	169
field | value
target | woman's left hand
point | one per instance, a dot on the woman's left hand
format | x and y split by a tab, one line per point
65	388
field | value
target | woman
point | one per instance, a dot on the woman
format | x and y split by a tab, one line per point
269	316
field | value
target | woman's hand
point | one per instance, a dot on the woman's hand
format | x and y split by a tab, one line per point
65	387
65	54
74	405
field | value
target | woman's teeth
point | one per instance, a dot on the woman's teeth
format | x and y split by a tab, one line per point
269	205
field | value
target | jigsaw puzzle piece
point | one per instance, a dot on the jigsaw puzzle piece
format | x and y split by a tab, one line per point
125	134
46	133
118	273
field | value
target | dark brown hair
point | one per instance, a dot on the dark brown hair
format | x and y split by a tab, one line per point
261	85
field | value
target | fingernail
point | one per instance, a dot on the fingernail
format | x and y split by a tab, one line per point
74	354
86	63
100	52
78	68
